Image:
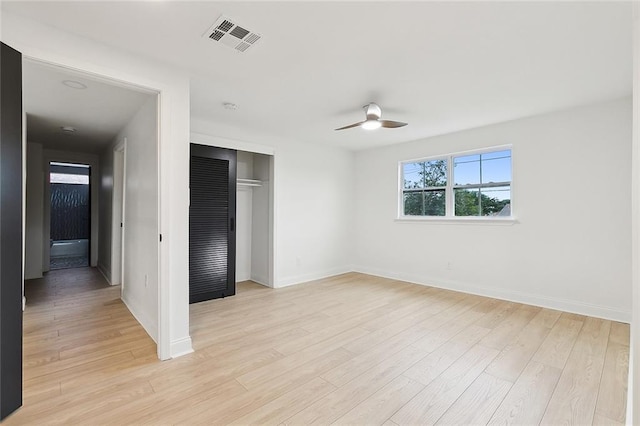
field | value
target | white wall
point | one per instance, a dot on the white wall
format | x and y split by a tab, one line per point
34	212
244	215
262	216
313	207
57	47
140	244
313	212
570	248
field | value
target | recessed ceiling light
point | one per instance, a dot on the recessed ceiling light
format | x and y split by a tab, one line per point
74	84
68	129
230	106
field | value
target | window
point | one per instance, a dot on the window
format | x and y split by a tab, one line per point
425	185
457	185
69	173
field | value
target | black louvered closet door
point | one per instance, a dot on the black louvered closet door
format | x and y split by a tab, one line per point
212	216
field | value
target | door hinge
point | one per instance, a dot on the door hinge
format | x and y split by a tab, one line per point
160	237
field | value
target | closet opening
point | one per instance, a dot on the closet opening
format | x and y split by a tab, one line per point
230	222
254	215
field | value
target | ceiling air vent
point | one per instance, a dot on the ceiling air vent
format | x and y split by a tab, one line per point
227	32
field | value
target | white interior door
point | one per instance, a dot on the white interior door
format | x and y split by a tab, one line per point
117	225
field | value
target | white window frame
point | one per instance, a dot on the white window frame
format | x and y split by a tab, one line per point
425	189
449	190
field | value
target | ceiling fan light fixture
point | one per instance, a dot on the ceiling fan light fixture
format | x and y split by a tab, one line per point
371	125
373	121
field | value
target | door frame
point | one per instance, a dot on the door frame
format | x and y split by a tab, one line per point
166	349
117	214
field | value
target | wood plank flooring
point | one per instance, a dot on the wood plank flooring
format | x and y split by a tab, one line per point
351	349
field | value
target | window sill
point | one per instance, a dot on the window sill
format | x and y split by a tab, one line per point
491	221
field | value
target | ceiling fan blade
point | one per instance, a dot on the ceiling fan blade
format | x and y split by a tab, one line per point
390	124
350	126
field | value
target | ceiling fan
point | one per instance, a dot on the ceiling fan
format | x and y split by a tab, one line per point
373	120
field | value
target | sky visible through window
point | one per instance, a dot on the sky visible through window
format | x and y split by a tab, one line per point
70	177
492	167
473	169
67	178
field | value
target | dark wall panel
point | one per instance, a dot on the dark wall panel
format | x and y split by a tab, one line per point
10	230
69	211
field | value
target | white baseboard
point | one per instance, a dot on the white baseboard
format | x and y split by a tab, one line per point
144	321
32	277
286	282
630	390
260	280
240	278
565	305
177	348
105	273
181	347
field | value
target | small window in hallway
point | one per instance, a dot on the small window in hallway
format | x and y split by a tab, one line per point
70	215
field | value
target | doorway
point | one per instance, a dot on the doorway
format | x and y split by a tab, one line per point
70	228
75	135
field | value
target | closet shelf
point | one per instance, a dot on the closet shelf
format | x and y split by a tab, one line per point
249	182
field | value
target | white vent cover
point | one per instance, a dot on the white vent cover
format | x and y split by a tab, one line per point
227	32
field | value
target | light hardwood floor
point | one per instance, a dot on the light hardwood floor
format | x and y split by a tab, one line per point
352	349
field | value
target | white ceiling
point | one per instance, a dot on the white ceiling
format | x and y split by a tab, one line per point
440	66
97	113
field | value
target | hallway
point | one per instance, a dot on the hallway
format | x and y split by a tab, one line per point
78	337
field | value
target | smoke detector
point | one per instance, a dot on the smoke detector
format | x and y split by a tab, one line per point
228	33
